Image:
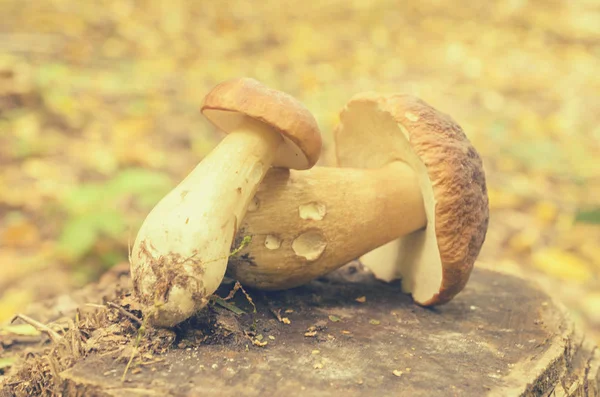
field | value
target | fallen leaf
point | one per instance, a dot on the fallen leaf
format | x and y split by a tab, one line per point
19	329
20	234
562	265
588	216
258	343
229	306
14	301
546	211
7	362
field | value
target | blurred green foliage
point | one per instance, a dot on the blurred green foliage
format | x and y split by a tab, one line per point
588	216
96	209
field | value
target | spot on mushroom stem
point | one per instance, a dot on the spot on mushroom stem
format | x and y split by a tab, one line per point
309	245
313	211
272	242
253	205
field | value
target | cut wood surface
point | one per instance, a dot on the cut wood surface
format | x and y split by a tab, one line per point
351	335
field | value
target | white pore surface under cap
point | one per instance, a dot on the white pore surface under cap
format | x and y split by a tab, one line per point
289	155
371	138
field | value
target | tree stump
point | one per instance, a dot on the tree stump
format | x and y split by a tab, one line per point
351	335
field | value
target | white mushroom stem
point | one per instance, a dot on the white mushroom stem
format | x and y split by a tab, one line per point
181	250
305	224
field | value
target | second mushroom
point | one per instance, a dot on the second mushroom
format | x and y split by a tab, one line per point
411	199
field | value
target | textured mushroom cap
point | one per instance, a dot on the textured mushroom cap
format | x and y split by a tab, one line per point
434	263
229	102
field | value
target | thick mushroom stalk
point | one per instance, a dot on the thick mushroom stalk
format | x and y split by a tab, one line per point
412	205
305	224
185	240
181	250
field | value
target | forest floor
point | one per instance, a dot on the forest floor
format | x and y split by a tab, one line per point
99	117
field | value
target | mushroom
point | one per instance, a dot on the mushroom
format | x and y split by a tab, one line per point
181	250
413	206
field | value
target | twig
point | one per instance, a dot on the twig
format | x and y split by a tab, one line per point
118	349
158	360
55	336
235	289
249	298
247	295
124	312
136	345
96	305
138	339
74	344
249	335
53	364
276	313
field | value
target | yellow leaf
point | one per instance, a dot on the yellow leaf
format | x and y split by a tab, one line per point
14	301
546	211
591	251
562	265
524	239
508	164
501	199
564	223
19	329
20	233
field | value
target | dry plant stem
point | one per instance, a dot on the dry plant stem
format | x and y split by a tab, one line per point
181	251
124	312
305	224
55	336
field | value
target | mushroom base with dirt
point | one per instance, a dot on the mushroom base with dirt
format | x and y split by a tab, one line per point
181	250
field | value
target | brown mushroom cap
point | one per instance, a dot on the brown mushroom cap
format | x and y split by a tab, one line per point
434	263
230	102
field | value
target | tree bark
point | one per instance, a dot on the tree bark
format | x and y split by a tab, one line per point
502	336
